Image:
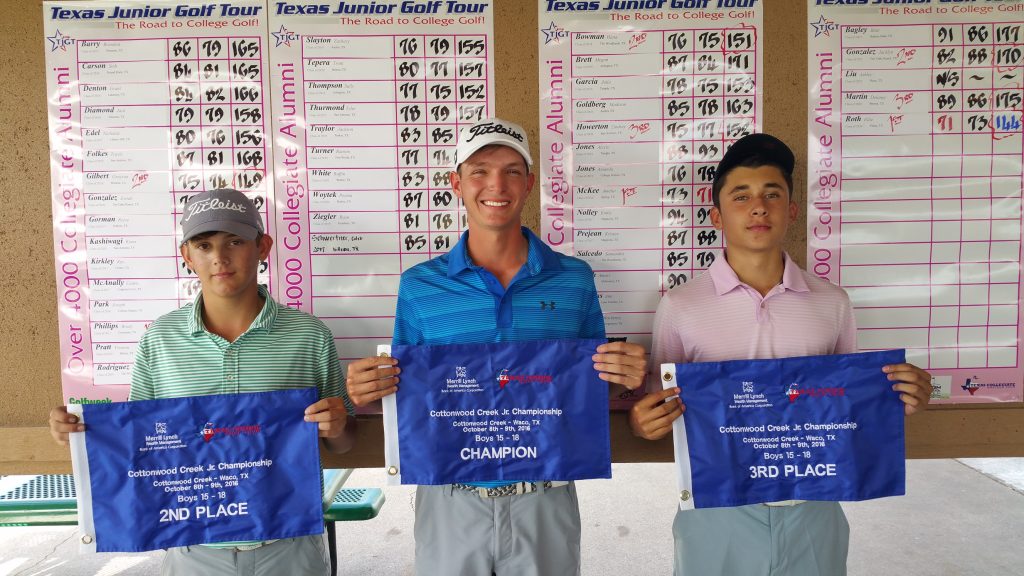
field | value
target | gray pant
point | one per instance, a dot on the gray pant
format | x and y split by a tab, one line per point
458	533
809	539
302	556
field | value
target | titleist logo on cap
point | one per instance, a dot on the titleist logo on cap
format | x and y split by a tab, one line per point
490	128
212	204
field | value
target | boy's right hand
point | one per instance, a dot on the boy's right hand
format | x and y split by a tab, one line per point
651	417
372	378
62	424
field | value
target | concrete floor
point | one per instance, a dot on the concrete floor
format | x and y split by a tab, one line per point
959	518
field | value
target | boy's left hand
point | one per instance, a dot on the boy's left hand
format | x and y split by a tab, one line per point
913	384
621	363
330	416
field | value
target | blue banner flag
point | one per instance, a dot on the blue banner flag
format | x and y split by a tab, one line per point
177	472
811	428
513	411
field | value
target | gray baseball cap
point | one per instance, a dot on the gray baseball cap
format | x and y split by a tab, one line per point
221	210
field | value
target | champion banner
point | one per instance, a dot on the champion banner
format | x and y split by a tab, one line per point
514	411
177	472
810	428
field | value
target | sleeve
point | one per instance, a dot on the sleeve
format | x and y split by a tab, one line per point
407	324
846	341
142	377
593	322
666	341
331	380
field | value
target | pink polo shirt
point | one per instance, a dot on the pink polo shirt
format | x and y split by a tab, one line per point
716	317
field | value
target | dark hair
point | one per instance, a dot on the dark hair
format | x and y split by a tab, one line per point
755	161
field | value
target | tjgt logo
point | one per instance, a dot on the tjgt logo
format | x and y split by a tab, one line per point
504	378
794	392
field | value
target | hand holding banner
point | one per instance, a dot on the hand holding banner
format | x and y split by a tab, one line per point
514	411
176	472
811	428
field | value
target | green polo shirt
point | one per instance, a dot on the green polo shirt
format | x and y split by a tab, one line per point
282	349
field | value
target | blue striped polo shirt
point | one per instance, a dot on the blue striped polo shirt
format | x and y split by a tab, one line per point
450	300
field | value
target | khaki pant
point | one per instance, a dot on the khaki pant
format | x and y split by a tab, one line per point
458	533
302	556
809	539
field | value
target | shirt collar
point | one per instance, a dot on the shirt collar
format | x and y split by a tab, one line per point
539	256
264	320
725	279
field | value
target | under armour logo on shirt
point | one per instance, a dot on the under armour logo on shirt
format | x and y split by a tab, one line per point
545	305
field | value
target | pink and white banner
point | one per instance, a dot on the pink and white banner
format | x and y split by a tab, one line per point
914	174
368	103
637	108
148	102
358	102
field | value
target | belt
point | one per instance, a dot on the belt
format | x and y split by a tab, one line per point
784	503
509	489
241	547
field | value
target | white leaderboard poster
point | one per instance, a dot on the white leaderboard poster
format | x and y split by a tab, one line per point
368	103
915	177
637	107
148	103
152	101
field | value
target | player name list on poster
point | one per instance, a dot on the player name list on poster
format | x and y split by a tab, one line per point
915	178
148	104
637	107
368	106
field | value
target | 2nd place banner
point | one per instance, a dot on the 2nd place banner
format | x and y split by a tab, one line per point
177	472
515	411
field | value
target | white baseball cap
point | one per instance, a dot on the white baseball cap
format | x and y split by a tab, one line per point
492	131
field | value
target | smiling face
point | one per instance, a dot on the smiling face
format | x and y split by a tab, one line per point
755	209
493	184
225	264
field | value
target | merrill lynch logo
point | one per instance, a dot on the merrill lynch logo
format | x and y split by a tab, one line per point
462	382
748	399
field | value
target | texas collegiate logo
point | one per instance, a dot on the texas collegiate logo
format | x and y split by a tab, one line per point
502	378
973	384
207	431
